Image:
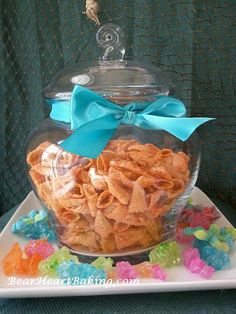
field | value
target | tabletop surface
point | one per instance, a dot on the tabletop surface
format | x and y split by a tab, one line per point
217	301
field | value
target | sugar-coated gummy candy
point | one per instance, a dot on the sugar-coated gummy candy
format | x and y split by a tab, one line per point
195	264
103	263
166	254
158	273
35	225
41	247
148	270
67	269
215	258
144	269
39	230
219	238
80	273
15	264
48	267
125	271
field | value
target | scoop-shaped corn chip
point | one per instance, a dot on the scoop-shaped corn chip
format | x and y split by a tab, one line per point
81	175
146	181
164	184
88	190
115	188
92	204
36	177
138	202
34	157
102	225
128	165
105	199
120	213
84	239
119	176
154	198
81	225
180	163
153	229
69	216
97	180
166	152
160	173
133	237
108	244
120	226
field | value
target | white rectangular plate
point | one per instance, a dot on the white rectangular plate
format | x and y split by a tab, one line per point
179	278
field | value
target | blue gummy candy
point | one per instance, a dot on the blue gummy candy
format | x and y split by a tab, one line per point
67	269
87	271
80	273
215	258
32	213
39	230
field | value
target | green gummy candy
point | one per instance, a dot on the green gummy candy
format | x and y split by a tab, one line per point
103	263
214	229
47	267
166	254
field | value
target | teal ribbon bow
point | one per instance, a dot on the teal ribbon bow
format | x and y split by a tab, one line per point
95	119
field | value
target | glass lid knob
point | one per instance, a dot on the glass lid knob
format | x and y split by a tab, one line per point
110	38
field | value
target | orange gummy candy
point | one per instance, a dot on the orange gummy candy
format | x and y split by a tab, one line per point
14	263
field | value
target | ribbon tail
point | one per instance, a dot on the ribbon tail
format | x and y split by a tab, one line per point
182	128
90	139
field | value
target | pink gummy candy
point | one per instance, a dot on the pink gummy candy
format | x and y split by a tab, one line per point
200	220
210	212
193	262
207	272
158	273
125	271
189	255
42	247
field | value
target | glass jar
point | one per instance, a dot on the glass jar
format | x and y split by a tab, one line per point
128	199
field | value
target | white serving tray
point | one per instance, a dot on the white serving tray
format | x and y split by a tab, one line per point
179	278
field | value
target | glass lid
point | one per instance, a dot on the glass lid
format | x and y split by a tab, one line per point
112	76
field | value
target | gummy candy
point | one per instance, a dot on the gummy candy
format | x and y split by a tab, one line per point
219	238
197	216
79	273
23	222
193	262
215	258
48	267
148	270
34	226
158	273
144	269
111	273
39	230
41	247
103	263
166	254
126	271
67	269
199	219
14	263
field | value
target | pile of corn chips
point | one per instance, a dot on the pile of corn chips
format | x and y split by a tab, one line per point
112	203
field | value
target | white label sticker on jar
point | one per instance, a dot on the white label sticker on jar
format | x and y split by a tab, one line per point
82	79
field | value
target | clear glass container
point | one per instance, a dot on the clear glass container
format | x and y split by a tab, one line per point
128	199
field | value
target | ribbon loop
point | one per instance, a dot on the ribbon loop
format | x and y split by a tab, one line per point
95	119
